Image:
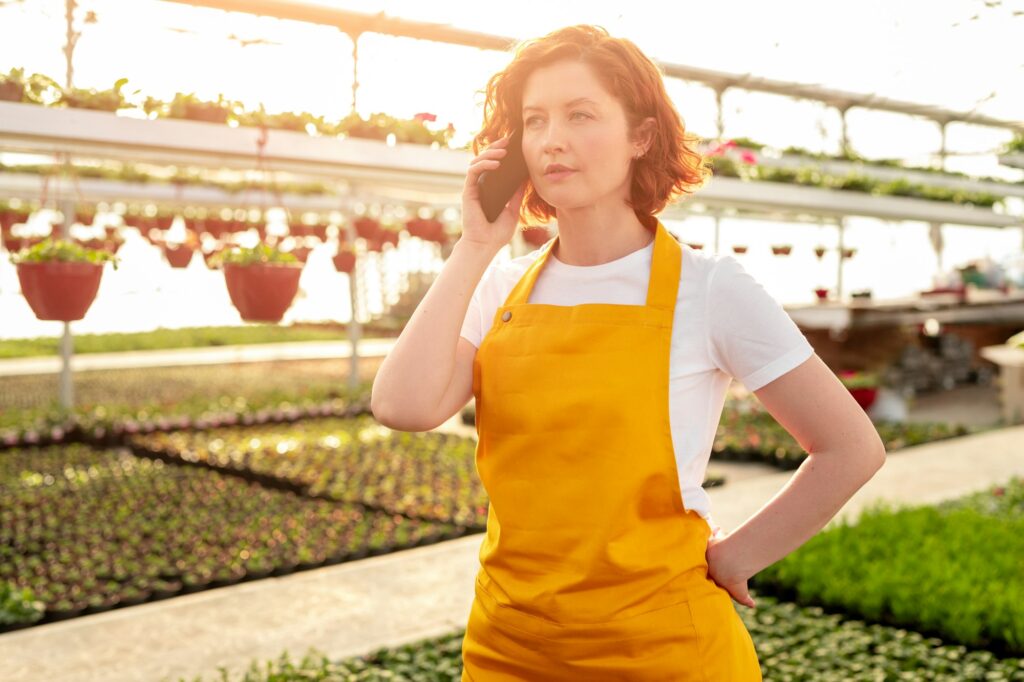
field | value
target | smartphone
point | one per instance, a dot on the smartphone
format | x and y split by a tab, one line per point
498	185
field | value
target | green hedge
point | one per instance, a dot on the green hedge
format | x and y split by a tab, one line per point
955	570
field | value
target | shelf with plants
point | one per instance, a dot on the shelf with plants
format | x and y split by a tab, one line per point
814	198
437	174
745	151
354	163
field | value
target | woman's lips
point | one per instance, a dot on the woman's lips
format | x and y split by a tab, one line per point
559	175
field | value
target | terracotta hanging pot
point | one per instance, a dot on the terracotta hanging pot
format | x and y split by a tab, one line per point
165	220
375	244
60	290
301	253
819	251
345	260
848	253
535	236
178	256
695	246
367	228
821	293
739	248
261	292
781	249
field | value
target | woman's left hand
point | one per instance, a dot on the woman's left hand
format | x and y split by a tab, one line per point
722	569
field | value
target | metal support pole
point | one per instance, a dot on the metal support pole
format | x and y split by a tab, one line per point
841	223
355	330
67	207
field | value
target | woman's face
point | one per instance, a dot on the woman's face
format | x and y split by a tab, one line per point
569	119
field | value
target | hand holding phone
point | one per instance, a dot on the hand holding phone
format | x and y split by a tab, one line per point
493	192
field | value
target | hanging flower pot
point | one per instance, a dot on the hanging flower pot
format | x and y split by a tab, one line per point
60	278
694	245
821	293
9	217
535	236
212	258
262	281
375	244
389	235
345	259
164	220
320	230
85	215
178	255
739	248
819	251
367	228
848	253
301	253
781	249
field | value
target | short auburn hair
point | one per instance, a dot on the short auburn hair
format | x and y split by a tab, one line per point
671	167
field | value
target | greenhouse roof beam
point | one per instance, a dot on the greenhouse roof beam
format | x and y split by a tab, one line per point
360	22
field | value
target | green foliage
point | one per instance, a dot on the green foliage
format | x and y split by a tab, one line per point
955	570
261	254
18	605
50	250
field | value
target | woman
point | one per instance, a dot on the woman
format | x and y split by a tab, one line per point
599	364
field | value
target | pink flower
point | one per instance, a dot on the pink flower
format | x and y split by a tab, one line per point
748	156
424	116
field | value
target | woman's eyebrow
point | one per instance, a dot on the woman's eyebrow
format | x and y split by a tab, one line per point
567	104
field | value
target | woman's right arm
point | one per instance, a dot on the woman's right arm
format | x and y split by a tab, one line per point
410	386
413	389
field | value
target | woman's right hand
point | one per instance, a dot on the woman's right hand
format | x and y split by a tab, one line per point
475	226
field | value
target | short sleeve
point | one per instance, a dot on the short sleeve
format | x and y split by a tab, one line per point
473	324
751	336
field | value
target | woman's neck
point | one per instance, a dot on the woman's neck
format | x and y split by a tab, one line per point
594	244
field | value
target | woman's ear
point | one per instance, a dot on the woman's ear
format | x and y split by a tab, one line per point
645	135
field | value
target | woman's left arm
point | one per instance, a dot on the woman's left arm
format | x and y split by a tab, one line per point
844	452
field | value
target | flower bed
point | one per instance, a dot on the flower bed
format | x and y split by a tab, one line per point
952	570
794	643
421	475
87	530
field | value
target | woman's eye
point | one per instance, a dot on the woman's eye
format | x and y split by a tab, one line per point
532	118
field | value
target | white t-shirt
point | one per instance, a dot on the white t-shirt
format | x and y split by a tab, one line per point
725	325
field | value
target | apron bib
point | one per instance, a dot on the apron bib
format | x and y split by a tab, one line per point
591	567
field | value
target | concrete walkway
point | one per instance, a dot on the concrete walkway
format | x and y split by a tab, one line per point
214	355
356	607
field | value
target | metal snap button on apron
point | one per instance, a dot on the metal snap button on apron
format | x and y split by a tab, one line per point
507	315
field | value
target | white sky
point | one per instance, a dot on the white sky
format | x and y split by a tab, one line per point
928	51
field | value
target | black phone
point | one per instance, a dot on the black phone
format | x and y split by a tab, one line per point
498	185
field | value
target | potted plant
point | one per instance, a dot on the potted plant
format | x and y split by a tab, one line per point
862	385
345	258
100	100
819	251
389	234
848	253
821	293
535	236
367	228
262	281
739	248
12	86
781	249
60	278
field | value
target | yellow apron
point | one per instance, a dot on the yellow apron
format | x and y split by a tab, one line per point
591	568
